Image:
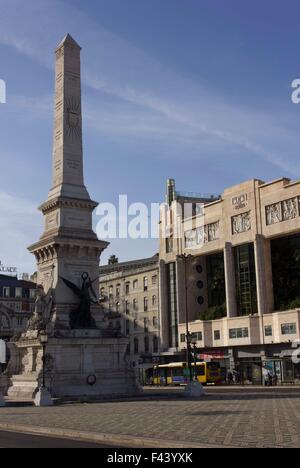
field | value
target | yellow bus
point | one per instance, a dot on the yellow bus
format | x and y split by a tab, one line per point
177	373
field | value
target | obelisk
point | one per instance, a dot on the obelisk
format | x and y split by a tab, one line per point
68	247
84	358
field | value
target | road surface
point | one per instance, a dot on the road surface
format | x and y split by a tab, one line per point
16	440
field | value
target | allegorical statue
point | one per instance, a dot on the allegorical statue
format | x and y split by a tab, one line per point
81	317
42	309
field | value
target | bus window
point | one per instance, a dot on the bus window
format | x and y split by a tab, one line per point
214	366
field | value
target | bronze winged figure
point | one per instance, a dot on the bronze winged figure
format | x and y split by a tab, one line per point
81	318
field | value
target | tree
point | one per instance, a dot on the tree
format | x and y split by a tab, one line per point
113	260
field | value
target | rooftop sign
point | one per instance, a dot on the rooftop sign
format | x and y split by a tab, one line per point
5	269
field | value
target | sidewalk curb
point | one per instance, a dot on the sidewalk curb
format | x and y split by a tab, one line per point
110	439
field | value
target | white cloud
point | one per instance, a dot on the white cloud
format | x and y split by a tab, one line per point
19	224
114	66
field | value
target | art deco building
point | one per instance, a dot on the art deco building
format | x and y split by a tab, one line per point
129	295
232	268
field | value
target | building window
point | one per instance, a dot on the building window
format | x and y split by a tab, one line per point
155	322
135	304
118	307
145	304
136	346
32	294
198	335
118	290
268	330
102	294
154	280
286	272
154	301
169	244
146	344
146	325
135	324
128	349
215	285
182	338
127	327
246	279
217	335
127	288
135	284
127	307
235	333
288	329
18	293
18	306
6	292
145	282
111	292
155	344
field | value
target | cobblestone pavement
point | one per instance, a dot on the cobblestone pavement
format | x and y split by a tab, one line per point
247	418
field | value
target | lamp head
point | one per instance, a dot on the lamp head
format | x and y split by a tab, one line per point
43	337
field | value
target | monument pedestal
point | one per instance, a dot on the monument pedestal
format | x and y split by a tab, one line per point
194	389
43	398
79	364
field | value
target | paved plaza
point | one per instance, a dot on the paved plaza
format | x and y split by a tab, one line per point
224	418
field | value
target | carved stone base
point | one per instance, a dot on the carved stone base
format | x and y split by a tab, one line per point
43	398
194	390
81	366
2	402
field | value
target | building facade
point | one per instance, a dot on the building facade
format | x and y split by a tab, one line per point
17	298
129	294
232	271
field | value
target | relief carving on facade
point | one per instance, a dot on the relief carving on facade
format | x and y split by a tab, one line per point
202	235
290	209
241	223
282	211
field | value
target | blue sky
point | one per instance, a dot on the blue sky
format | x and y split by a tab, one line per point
196	90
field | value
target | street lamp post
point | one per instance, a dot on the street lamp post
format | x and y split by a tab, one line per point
189	339
185	257
44	341
194	344
43	396
194	388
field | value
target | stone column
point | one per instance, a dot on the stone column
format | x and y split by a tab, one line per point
261	286
230	281
163	300
268	276
181	287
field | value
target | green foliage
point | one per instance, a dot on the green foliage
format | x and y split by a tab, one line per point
293	304
286	272
213	313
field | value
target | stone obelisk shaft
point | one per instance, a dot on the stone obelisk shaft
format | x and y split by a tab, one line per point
68	178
